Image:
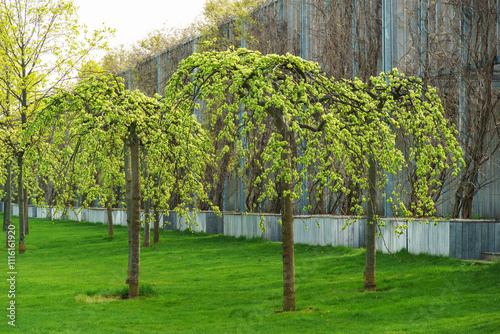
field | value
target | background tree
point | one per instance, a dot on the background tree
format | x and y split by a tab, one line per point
457	42
227	23
40	44
123	57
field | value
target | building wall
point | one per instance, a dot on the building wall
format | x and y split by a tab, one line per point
306	29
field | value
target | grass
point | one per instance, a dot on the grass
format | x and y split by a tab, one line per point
72	276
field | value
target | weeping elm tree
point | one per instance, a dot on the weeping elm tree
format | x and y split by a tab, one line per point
363	134
41	44
317	121
101	113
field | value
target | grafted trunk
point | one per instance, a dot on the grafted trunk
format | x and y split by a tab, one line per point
128	181
288	248
109	211
371	228
20	186
287	221
26	212
135	221
7	212
147	218
156	237
20	162
147	204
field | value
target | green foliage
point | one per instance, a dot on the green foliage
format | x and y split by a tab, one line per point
335	125
91	68
41	47
84	130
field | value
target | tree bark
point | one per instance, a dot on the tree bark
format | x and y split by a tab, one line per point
371	228
135	221
7	212
109	211
128	198
147	204
26	212
287	222
146	242
156	236
20	187
288	247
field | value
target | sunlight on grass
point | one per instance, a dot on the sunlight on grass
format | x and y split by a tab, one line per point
95	299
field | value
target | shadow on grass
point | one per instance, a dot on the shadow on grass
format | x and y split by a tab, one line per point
106	295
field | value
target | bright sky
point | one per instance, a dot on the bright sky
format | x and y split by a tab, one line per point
134	19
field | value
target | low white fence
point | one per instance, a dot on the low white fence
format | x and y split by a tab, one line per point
464	239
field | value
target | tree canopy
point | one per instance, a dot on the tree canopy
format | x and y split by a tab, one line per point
41	45
335	122
342	126
84	131
90	123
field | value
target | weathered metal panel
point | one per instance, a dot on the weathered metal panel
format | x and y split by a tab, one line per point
475	241
470	238
71	215
497	237
199	222
452	245
327	231
33	212
412	231
251	226
276	234
438	233
41	212
484	237
458	240
445	238
170	220
357	243
214	223
465	241
84	214
232	224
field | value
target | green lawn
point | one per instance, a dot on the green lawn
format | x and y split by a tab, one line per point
216	284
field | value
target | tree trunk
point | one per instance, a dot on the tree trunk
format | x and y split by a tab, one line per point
156	237
287	222
147	204
128	198
371	228
147	218
20	187
135	221
26	212
470	192
7	212
288	247
109	211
